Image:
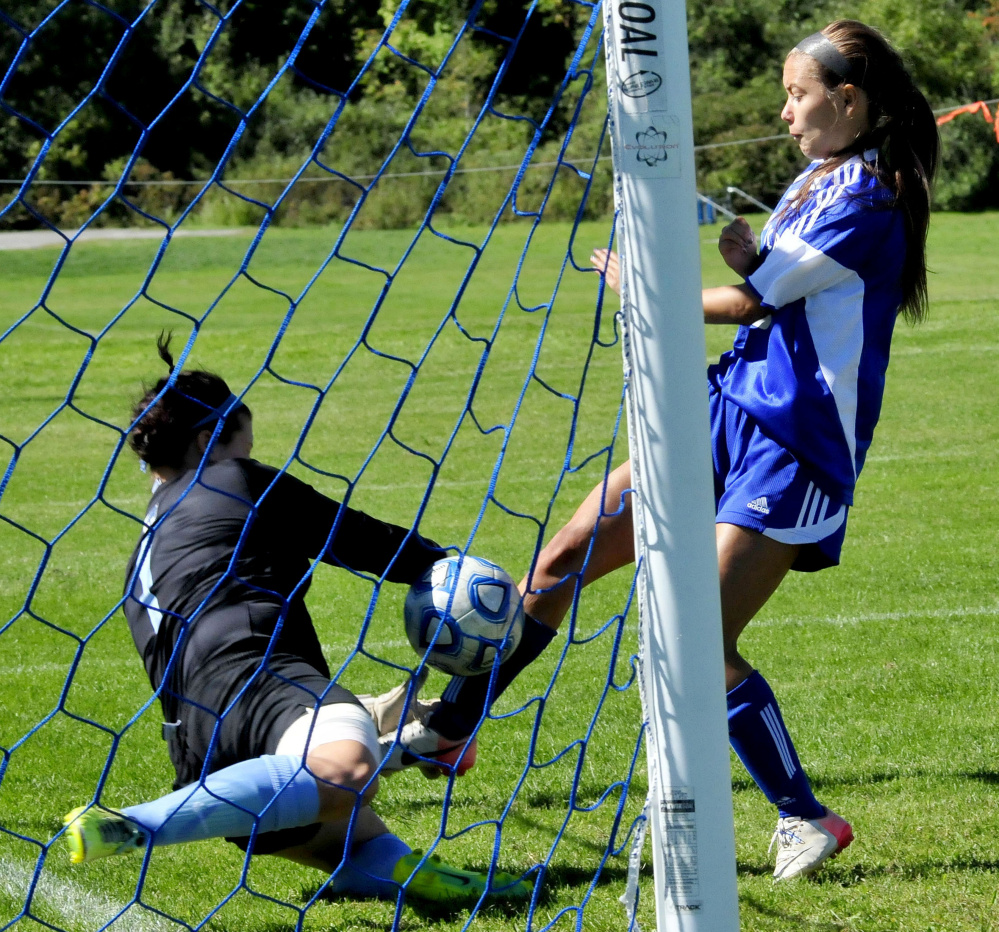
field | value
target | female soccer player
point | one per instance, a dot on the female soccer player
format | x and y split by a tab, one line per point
268	751
793	404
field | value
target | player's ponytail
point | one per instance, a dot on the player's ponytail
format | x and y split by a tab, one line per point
191	401
911	151
163	349
903	130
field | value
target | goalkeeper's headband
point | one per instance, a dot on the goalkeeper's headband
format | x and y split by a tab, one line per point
819	47
217	414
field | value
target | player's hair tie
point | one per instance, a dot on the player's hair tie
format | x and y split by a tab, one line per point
217	414
820	47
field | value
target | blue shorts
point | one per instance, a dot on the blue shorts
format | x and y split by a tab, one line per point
761	486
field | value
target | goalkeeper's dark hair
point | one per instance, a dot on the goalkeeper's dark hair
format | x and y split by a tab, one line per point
903	130
164	427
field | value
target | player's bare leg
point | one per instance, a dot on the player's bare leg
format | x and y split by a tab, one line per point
751	567
549	589
345	774
325	849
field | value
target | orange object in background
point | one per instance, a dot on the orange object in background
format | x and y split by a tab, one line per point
971	108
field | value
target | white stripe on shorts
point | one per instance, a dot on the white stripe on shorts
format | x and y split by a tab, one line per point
814	521
813	508
810	534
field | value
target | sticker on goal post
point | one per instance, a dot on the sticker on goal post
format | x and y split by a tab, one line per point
677	812
646	132
649	144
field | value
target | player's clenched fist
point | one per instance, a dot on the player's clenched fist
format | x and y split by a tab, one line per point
737	245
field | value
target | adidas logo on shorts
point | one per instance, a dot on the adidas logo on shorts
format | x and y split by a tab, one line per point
760	505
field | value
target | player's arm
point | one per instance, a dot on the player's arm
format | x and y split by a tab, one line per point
369	545
304	519
729	304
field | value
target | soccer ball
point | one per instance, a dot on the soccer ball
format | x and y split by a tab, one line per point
461	613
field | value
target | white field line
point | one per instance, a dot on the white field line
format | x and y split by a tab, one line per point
542	479
947	454
51	505
73	902
947	349
990	611
331	650
371	645
33	668
375	646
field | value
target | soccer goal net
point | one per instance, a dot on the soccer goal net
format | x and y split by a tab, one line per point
382	243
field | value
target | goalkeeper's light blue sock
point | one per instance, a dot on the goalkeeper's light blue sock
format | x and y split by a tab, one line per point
758	735
230	801
367	871
464	700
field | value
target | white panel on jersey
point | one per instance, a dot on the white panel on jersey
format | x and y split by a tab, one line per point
836	323
794	269
148	597
834	307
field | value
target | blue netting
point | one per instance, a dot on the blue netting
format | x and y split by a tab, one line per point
481	420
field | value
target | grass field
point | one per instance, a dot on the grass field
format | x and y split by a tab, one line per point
885	666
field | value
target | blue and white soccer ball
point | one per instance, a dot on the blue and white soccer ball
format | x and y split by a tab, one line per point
462	613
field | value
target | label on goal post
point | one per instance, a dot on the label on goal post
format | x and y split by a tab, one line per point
644	130
649	145
689	810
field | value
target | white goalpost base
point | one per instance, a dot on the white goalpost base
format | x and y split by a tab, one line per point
689	810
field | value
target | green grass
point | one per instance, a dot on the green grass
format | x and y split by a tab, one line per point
884	666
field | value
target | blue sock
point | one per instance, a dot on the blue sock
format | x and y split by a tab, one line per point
230	801
757	733
367	870
466	698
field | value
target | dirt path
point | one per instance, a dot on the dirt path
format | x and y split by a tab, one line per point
35	239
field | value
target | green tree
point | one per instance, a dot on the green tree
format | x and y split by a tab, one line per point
166	88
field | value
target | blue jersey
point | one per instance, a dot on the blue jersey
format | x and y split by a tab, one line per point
812	371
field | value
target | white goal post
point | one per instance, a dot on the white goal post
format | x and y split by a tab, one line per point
690	805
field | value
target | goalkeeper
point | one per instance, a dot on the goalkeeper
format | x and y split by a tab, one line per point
268	751
793	404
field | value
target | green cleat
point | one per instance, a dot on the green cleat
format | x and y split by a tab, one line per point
93	832
438	882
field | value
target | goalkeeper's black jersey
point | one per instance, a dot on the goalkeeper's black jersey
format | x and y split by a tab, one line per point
215	599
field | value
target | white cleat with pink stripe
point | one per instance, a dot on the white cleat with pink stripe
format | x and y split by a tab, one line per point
804	845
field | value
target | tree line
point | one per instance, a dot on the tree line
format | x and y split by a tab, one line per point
254	84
